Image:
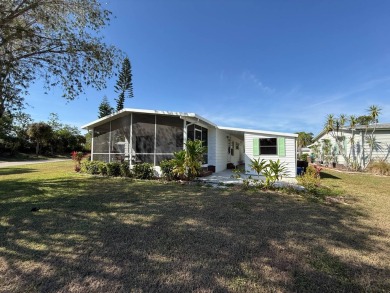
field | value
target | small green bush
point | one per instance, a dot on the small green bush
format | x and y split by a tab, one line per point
167	167
143	171
103	168
274	171
113	169
125	169
311	179
379	167
91	167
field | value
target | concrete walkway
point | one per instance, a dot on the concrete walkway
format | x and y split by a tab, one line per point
225	177
21	163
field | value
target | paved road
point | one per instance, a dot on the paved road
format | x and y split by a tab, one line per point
10	164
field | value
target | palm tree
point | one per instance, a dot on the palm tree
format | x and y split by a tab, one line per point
329	123
343	119
304	139
352	125
374	111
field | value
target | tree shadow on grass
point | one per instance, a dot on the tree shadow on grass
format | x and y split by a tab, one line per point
105	235
328	176
13	171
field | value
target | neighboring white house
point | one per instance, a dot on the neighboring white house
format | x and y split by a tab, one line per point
137	136
360	152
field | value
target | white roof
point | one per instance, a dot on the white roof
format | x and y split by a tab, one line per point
188	116
258	131
125	111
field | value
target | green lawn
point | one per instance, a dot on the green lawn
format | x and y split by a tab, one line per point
96	234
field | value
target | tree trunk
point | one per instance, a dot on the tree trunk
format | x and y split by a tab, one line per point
37	148
2	107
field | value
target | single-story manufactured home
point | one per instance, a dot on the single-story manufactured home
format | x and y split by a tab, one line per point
361	149
138	136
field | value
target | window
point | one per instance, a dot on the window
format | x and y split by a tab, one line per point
268	146
196	132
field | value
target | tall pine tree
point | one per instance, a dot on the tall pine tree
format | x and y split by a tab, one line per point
105	108
124	85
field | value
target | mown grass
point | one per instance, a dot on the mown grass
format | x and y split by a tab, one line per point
95	234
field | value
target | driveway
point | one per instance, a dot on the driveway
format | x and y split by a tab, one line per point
20	163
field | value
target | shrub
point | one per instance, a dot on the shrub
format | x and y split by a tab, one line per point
91	167
179	168
259	166
102	168
379	167
193	158
77	157
310	179
113	169
167	167
143	171
188	162
125	169
275	171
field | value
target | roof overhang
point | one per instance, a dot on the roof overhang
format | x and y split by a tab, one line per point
192	117
243	130
360	128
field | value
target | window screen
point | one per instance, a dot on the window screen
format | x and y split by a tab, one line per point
169	134
120	135
268	146
101	138
143	133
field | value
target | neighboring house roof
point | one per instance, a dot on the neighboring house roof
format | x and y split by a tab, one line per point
189	116
382	126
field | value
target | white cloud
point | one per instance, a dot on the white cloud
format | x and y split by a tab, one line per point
248	76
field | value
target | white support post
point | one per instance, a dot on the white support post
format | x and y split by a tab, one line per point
184	133
109	145
131	140
93	131
155	138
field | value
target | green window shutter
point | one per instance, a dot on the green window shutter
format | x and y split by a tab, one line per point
281	147
256	147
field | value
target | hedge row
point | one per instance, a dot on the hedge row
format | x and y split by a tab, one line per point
117	169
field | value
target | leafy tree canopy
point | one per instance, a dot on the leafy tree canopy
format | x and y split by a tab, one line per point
304	139
41	133
58	41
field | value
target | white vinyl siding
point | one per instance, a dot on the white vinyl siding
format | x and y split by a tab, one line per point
380	153
221	150
212	143
289	158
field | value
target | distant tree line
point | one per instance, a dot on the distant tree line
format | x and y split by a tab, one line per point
20	134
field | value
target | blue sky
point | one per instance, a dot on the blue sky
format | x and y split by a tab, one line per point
271	65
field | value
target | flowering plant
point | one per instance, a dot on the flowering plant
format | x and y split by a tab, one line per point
77	157
318	170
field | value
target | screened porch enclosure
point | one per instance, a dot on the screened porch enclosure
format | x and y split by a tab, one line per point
138	138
